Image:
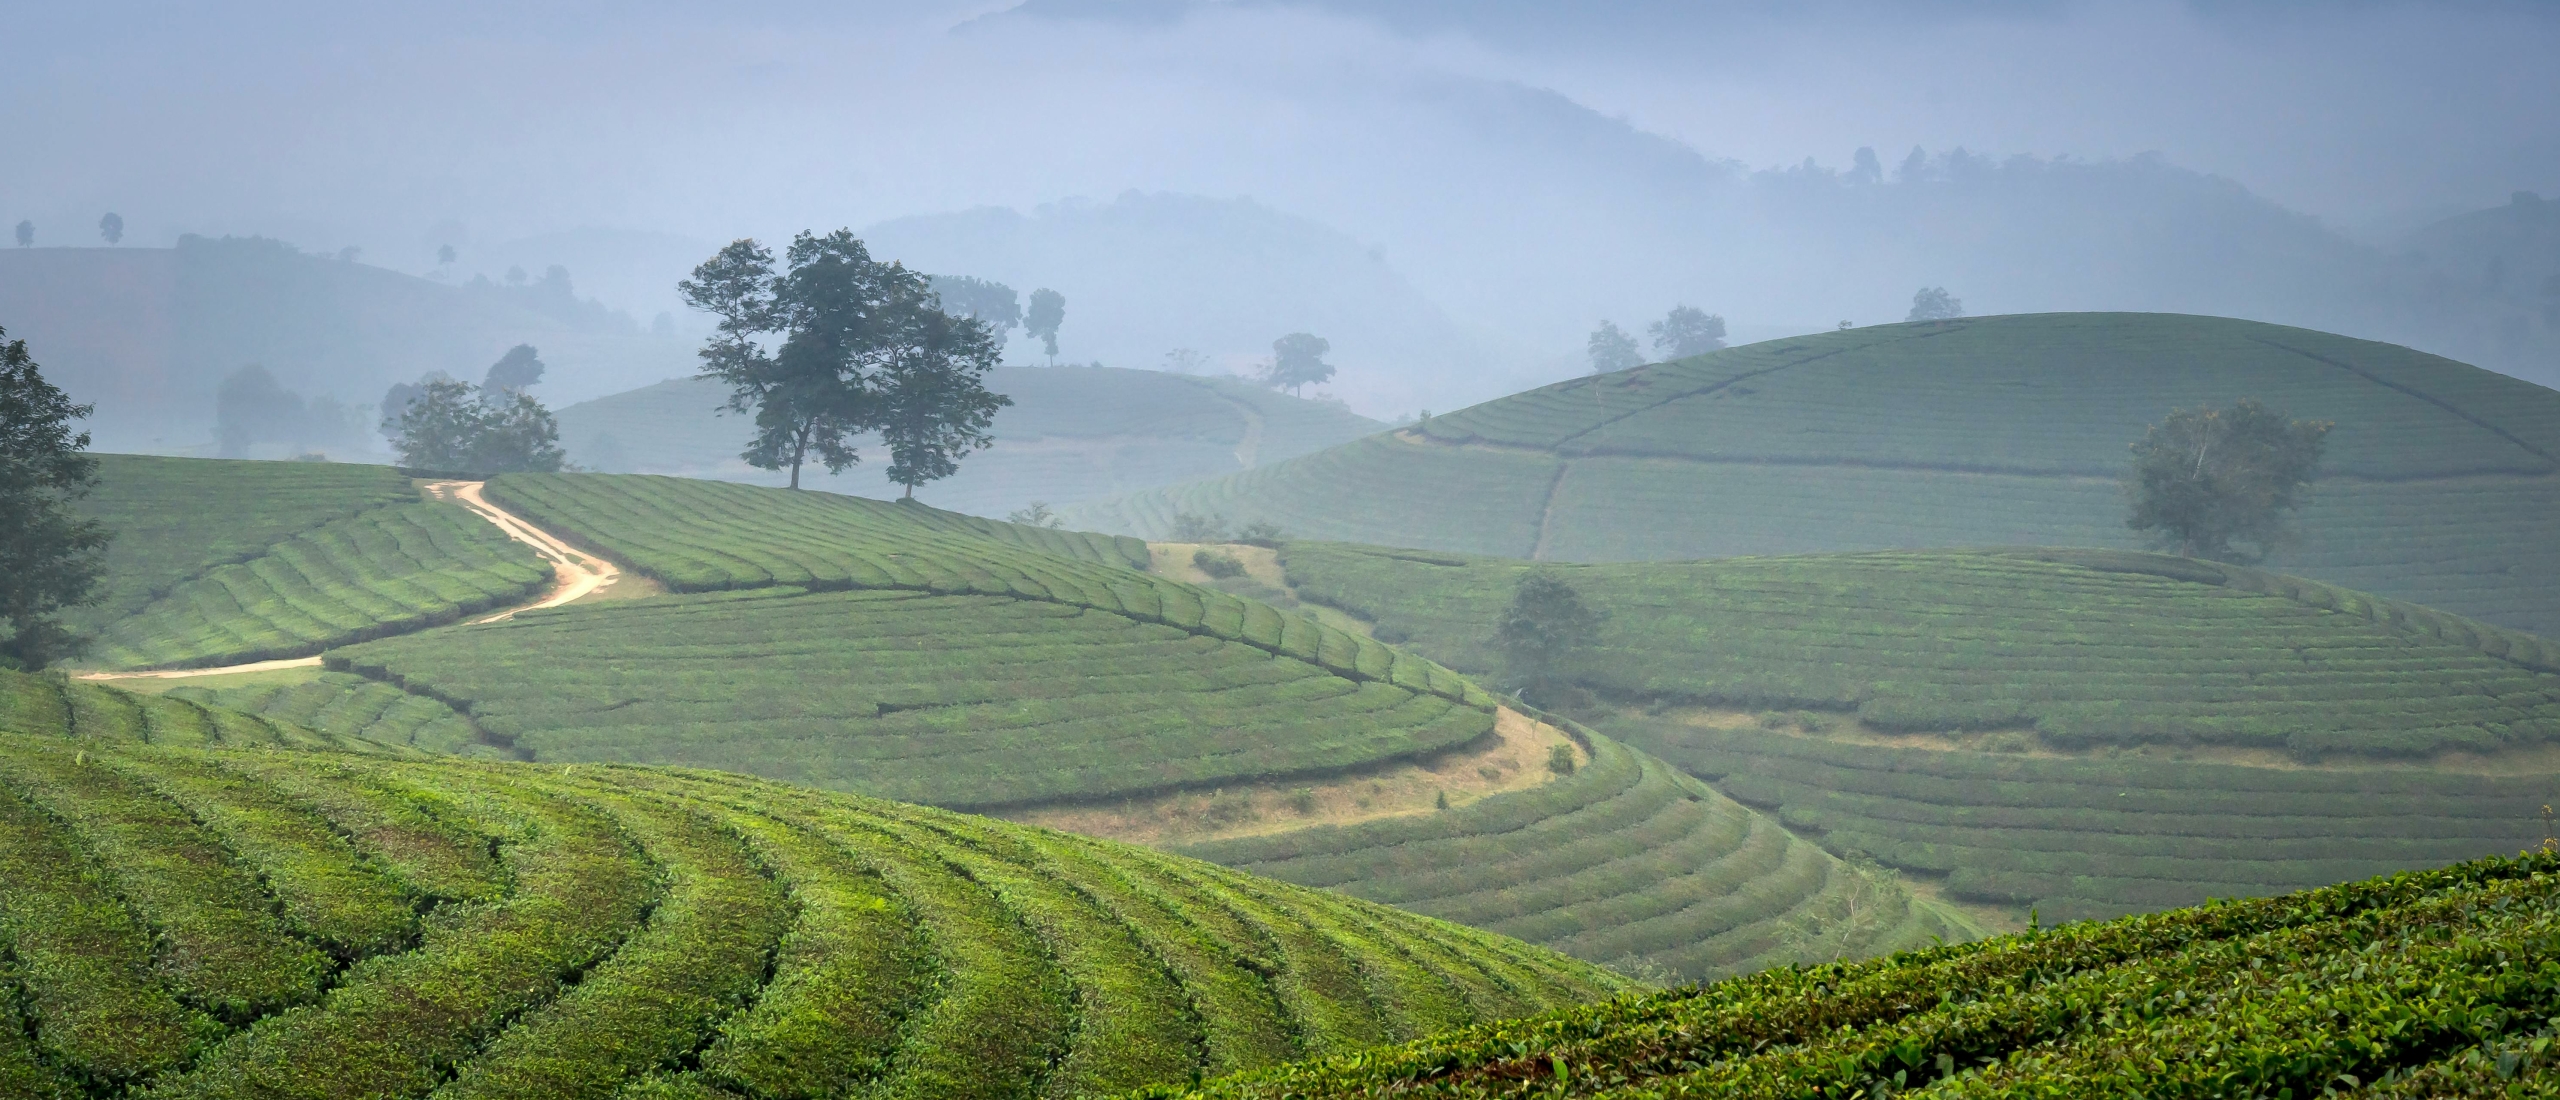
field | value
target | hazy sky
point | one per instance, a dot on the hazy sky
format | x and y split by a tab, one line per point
368	124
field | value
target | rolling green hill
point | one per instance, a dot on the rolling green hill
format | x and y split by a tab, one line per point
2088	732
2439	486
211	923
219	561
1073	433
2439	983
895	649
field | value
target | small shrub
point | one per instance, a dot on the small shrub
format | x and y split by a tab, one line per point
1302	801
1262	533
1560	759
1220	566
1191	528
1489	773
1227	809
1439	800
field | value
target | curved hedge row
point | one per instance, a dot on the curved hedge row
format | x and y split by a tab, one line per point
954	700
2440	983
385	571
350	705
206	923
696	536
1626	861
2098	838
2087	646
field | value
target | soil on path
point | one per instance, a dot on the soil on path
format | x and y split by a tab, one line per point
575	575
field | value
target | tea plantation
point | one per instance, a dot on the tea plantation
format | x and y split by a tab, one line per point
2438	489
1072	433
2071	650
2434	983
222	562
958	700
1626	861
186	922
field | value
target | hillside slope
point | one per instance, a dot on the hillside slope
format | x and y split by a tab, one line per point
219	561
2428	984
2087	732
2438	489
326	924
1073	433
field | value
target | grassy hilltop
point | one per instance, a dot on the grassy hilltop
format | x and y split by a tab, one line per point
1072	433
2438	489
2438	983
2090	732
898	650
219	561
194	920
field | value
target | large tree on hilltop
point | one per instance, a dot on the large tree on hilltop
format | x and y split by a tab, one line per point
51	558
856	345
1048	311
1297	360
2205	478
1687	331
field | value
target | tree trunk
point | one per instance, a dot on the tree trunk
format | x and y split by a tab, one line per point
911	492
799	453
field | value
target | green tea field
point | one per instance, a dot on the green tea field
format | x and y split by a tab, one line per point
2084	732
2435	983
221	562
2438	487
1073	433
210	922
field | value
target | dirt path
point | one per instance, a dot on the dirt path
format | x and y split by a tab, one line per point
574	574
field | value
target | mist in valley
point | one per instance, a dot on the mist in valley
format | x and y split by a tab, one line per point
1453	195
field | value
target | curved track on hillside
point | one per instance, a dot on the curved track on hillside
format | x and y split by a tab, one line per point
576	575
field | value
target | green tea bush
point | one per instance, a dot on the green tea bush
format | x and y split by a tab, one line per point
598	931
2425	983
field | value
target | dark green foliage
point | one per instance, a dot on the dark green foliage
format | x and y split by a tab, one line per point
520	367
1611	349
49	554
1560	760
2205	478
1048	311
1297	361
1543	625
605	931
860	346
1217	565
1687	331
1975	432
986	301
1625	862
2088	647
449	427
2393	979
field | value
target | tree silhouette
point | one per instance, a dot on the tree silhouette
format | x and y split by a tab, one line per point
1048	311
51	558
1686	331
1612	349
1297	360
2206	478
1933	303
111	227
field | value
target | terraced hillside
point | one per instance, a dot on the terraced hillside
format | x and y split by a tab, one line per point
2086	732
220	561
206	923
1626	861
2438	489
896	649
2436	983
1073	433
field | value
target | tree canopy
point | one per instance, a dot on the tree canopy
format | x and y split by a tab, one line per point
520	367
1048	311
451	427
858	345
111	227
51	558
1545	621
1612	349
26	233
2205	479
1933	303
1687	331
983	300
1297	361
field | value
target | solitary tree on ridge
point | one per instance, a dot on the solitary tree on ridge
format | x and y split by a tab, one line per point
1612	349
2206	478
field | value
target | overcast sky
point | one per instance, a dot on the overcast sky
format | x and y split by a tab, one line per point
369	124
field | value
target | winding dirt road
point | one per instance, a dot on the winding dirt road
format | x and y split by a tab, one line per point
575	575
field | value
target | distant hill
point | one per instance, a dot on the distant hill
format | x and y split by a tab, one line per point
2085	732
147	333
2498	270
1072	433
2439	488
